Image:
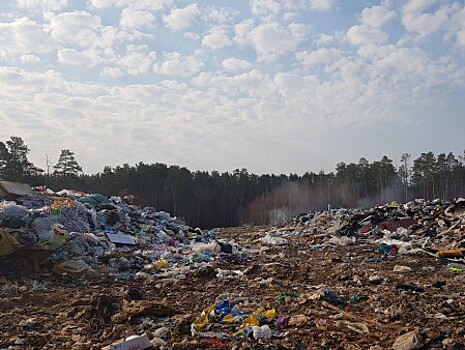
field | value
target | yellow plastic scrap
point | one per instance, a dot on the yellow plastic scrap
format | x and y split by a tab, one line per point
266	314
238	333
202	321
270	313
249	321
229	318
162	263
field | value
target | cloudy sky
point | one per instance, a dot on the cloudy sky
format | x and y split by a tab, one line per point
275	86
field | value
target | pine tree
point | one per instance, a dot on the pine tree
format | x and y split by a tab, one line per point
5	158
18	167
405	172
67	164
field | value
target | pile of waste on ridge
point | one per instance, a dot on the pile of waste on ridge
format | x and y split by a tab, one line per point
129	277
95	234
429	225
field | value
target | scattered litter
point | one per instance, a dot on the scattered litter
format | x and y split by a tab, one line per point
270	240
99	270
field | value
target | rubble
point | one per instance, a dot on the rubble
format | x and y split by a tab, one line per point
108	235
386	278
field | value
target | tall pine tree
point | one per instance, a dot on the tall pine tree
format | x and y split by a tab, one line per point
17	166
67	164
4	161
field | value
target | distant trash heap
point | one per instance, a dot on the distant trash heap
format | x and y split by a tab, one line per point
431	226
86	234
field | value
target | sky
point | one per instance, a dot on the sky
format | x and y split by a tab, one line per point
273	86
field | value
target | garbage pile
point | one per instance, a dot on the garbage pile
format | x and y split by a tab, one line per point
435	226
340	279
93	234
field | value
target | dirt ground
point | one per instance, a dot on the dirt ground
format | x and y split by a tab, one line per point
45	311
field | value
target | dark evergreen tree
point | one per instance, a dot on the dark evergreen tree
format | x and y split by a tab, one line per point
18	167
5	158
404	173
67	164
424	175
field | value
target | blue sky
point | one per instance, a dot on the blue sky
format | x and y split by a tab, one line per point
271	86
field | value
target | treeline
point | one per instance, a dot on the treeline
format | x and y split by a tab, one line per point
213	199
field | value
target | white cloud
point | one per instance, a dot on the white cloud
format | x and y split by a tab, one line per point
321	5
102	4
254	83
85	58
29	58
461	38
260	7
25	36
320	56
412	6
377	16
111	72
290	16
178	65
78	27
173	85
447	19
132	18
270	40
411	68
138	59
43	5
234	64
363	34
216	38
242	29
325	39
191	35
148	5
220	15
85	30
423	23
181	18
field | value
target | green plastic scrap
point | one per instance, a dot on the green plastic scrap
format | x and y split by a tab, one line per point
283	296
455	269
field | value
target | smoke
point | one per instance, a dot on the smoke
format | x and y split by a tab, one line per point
284	203
278	216
293	197
393	192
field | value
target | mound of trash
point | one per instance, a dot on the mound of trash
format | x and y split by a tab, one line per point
103	235
101	273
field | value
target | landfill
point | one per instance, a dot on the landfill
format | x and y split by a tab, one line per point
91	272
